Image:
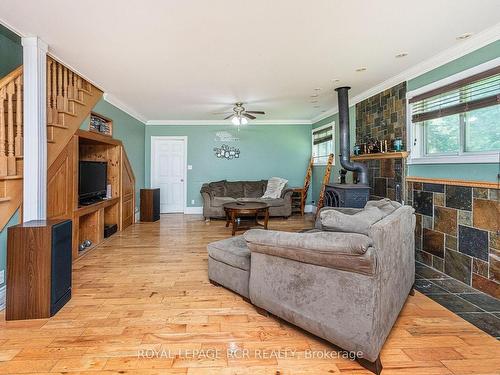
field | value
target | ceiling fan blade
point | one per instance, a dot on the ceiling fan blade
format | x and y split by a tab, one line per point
249	116
257	112
228	117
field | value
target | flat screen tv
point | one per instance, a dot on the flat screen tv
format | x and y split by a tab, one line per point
93	179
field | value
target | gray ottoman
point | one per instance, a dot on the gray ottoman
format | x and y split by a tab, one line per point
229	264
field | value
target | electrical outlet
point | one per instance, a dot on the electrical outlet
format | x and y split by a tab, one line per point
192	201
2	276
190	167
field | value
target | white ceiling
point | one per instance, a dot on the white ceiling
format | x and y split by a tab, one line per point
184	60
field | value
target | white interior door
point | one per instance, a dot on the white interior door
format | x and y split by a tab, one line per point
168	172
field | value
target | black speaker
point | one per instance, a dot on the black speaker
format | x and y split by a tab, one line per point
38	268
61	265
156	204
150	204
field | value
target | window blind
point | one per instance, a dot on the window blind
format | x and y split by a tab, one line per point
322	136
474	92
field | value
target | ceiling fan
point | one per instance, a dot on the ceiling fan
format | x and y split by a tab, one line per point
240	115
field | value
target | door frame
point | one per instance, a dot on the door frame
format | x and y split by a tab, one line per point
184	138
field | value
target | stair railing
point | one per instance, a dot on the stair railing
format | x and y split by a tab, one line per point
11	122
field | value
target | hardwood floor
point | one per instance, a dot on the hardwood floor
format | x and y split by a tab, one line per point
146	290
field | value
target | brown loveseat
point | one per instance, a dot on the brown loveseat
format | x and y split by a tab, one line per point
215	194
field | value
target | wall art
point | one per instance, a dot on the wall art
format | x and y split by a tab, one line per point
227	152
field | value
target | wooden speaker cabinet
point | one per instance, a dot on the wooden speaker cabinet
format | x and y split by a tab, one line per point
38	268
150	204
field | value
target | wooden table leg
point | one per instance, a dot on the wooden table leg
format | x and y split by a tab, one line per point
233	220
228	218
266	218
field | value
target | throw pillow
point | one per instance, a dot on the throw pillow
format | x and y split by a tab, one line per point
360	222
385	205
274	187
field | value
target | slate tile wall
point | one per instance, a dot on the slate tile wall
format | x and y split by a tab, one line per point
386	178
457	232
382	116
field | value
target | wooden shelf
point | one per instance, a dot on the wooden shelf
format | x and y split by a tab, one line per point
84	210
454	182
381	155
89	221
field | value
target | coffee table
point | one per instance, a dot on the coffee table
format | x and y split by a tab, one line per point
235	211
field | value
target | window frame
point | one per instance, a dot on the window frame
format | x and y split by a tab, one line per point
416	132
323	127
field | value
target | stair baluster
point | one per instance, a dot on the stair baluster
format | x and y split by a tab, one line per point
18	149
11	159
3	156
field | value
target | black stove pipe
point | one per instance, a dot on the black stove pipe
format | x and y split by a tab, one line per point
345	159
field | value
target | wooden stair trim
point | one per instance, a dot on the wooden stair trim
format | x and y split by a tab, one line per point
16	177
5	199
12	75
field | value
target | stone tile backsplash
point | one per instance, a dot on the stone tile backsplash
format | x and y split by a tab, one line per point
456	232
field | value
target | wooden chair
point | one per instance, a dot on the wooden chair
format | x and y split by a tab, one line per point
299	195
326	180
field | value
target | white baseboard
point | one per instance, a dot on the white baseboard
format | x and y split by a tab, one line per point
193	210
309	208
3	297
137	217
313	209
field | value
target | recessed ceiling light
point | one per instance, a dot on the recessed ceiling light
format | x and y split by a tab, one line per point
361	69
317	89
323	110
464	36
316	106
401	54
336	80
314	96
314	101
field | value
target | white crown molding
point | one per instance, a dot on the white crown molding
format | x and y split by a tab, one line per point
475	42
111	99
225	122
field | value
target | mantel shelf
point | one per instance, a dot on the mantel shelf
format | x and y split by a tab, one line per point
381	155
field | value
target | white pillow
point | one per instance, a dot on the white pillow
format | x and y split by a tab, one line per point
274	187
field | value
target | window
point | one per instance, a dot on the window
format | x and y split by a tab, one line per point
458	121
322	144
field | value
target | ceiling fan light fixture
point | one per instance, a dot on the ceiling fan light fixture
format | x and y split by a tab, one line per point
235	120
243	121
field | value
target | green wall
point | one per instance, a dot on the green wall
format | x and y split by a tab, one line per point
480	172
11	51
266	151
131	132
319	171
3	244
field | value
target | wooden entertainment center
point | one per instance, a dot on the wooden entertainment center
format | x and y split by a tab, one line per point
62	189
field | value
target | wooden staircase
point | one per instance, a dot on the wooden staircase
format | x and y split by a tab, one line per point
70	99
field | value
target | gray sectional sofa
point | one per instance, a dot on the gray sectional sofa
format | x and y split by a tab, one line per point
215	194
347	288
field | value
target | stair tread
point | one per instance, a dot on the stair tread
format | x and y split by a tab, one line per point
15	177
55	125
85	91
5	199
67	113
77	101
